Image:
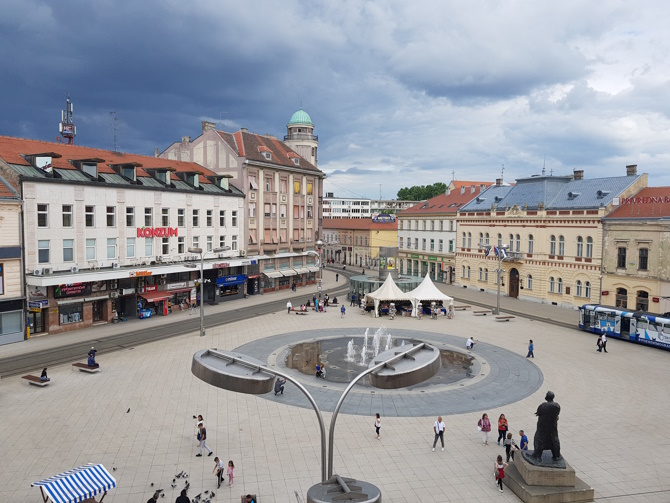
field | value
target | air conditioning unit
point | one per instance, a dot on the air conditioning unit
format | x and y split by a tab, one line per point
140	282
74	268
243	253
114	295
163	281
220	273
116	265
48	270
37	272
113	285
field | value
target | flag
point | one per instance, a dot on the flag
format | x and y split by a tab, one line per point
502	252
491	251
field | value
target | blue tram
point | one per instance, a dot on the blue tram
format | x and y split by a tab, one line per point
633	326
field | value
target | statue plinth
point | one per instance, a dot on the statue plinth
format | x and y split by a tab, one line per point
546	460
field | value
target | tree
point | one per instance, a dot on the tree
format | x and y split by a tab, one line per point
422	192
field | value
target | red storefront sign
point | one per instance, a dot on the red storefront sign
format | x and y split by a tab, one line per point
156	232
151	288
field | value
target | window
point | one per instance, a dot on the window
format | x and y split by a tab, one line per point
90	216
423	244
222	218
268	184
552	245
309	210
282	211
440	245
486	239
233	244
561	246
578	289
560	285
148	247
234	218
580	248
42	215
481	239
468	272
529	282
416	243
587	289
130	248
481	274
451	245
310	188
196	241
441	225
266	210
165	246
252	210
432	225
296	187
424	225
621	297
181	217
464	241
196	218
43	251
210	243
148	217
253	184
643	259
67	215
432	245
589	248
68	250
210	218
222	241
111	247
499	240
463	271
90	249
2	283
111	216
530	243
552	284
486	274
130	217
518	243
621	258
469	239
165	217
282	185
401	243
181	245
511	242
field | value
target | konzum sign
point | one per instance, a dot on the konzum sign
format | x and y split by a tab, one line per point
156	232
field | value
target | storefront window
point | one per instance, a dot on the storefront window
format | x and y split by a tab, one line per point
71	313
10	322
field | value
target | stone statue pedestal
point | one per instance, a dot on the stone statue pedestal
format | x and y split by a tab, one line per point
541	484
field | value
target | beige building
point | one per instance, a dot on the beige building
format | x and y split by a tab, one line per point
356	241
636	237
550	228
12	293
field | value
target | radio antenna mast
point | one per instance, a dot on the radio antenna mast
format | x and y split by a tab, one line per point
66	127
114	125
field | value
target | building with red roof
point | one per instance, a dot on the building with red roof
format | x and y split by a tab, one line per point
12	292
356	241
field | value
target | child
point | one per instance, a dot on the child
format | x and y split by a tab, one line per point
531	348
342	311
499	472
378	424
231	472
510	447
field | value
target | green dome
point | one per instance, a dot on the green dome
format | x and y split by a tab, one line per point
301	117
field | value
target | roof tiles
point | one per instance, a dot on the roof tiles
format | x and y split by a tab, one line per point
649	203
447	203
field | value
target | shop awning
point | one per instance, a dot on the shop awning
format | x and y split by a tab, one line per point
77	484
273	274
288	272
313	268
157	296
301	270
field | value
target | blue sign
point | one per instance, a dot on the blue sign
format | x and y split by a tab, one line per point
383	218
236	279
37	304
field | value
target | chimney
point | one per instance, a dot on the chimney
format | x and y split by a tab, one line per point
156	152
243	129
472	189
185	140
578	174
631	170
499	182
208	126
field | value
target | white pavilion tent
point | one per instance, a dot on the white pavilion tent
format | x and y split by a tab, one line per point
428	292
388	292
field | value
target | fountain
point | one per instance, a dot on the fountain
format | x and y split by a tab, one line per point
351	352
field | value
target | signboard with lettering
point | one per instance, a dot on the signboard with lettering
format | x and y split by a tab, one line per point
151	288
641	200
138	274
176	286
37	305
156	232
383	218
72	290
220	265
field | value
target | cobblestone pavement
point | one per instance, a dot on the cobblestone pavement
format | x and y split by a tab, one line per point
612	431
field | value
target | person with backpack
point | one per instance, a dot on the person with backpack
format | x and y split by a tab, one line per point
499	472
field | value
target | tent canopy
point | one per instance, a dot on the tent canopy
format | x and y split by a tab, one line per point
76	485
428	292
388	292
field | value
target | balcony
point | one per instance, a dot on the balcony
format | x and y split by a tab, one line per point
514	256
301	136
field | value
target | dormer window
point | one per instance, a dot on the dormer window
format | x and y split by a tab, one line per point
573	195
193	179
90	168
602	193
296	161
45	163
162	177
129	172
267	155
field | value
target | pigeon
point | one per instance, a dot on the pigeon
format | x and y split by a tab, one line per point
198	495
173	480
212	494
152	484
128	410
113	468
173	485
163	495
206	492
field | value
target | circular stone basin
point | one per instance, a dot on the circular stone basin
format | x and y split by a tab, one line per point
344	361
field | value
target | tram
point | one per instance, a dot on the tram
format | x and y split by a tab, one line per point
633	326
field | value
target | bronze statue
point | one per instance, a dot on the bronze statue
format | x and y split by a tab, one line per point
546	436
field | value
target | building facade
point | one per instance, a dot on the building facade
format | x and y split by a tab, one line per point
108	234
427	232
283	192
339	207
551	230
12	289
636	243
356	242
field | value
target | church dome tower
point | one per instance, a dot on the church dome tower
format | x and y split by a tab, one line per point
300	136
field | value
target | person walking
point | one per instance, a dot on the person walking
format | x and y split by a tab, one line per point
342	311
523	442
231	473
378	424
218	471
499	472
502	428
438	428
484	426
337	277
531	348
353	300
202	438
599	344
510	447
289	307
604	339
182	498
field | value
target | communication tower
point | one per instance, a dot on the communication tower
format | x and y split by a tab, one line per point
66	126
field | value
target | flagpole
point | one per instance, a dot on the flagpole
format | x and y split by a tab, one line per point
500	255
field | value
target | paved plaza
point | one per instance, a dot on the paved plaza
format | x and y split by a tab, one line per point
614	408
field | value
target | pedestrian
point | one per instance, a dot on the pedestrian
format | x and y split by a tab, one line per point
314	300
183	498
502	428
44	377
599	344
154	498
499	472
470	343
337	277
353	300
202	438
289	307
316	305
378	424
438	428
484	426
523	443
197	298
604	338
342	311
91	358
231	472
510	447
279	385
294	287
531	348
192	306
218	471
325	301
249	499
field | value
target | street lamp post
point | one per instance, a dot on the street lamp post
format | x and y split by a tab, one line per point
202	254
500	255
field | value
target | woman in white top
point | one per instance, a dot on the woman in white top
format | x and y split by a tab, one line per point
378	424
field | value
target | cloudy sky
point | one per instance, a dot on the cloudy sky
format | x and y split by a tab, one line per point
401	93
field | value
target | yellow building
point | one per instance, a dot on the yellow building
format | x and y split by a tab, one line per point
550	228
636	237
12	296
356	241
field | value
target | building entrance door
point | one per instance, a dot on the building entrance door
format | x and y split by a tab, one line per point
514	283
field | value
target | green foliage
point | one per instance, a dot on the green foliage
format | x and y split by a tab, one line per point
421	192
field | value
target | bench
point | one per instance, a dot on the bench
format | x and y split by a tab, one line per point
85	368
482	313
35	381
302	313
461	308
504	318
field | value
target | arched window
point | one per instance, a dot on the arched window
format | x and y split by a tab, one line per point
561	246
481	274
487	239
552	284
486	274
481	239
530	243
511	242
518	243
578	289
621	297
468	272
589	248
587	290
560	285
529	282
580	246
642	302
499	240
464	241
469	239
463	271
552	245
